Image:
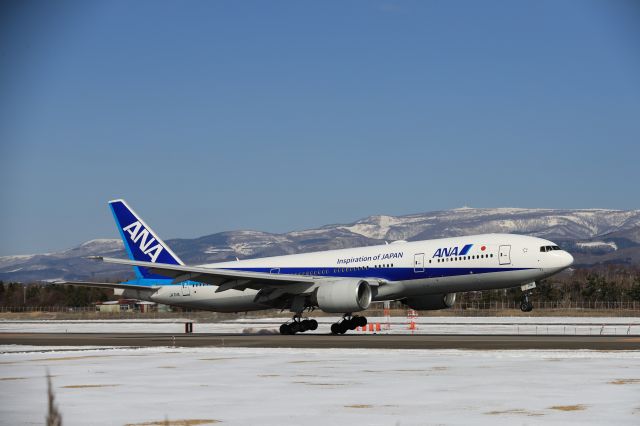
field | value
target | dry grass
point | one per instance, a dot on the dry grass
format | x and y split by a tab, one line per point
213	359
320	384
70	358
519	411
625	382
2	379
577	407
88	386
183	422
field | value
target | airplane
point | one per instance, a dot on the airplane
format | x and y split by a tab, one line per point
424	275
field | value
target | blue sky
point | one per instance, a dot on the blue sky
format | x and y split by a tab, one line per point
217	115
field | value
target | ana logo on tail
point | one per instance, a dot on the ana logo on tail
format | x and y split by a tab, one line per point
140	236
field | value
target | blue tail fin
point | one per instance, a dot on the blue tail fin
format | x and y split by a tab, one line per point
140	241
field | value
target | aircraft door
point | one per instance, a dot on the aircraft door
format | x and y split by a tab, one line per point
418	262
504	255
186	289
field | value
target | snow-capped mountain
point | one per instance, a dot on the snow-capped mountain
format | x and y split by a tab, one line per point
592	235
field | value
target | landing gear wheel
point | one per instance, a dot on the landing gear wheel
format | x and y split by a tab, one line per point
348	323
285	329
298	325
525	304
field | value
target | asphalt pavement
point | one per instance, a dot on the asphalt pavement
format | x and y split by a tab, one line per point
376	341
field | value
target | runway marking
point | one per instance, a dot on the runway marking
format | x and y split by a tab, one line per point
577	407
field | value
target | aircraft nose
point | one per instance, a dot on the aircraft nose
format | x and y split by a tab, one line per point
567	259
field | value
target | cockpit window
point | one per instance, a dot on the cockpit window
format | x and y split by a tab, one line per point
545	249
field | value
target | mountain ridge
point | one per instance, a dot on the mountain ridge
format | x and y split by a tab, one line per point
594	236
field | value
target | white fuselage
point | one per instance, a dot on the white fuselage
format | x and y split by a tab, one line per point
402	269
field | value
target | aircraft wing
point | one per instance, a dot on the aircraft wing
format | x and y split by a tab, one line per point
224	278
104	285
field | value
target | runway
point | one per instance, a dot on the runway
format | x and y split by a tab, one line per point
348	341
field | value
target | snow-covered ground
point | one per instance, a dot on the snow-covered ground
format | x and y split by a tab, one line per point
399	325
247	386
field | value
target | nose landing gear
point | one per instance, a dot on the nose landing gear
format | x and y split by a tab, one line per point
348	323
525	304
298	325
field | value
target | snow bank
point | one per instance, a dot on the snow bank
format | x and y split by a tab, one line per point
247	386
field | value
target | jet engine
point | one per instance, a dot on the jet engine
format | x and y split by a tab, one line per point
344	296
431	302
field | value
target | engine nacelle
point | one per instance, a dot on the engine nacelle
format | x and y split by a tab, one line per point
431	302
344	296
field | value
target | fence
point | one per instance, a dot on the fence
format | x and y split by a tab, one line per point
553	305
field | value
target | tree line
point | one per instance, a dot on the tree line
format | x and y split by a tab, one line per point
611	283
15	294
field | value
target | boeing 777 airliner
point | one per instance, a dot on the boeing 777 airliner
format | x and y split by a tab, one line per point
422	274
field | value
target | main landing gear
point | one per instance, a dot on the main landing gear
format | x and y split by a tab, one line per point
298	325
348	323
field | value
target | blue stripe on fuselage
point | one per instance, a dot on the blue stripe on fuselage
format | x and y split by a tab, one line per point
391	274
